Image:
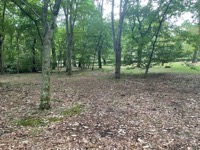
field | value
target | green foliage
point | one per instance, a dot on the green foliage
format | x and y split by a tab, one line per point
25	63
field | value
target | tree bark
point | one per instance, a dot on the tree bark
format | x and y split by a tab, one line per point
2	36
1	54
196	52
48	27
195	56
66	11
70	22
33	56
139	56
54	63
117	41
18	49
99	45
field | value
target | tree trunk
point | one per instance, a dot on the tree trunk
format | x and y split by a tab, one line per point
117	41
48	28
156	38
66	11
2	36
33	56
99	58
69	56
70	20
139	58
18	50
54	63
118	62
74	58
1	54
100	40
99	47
45	97
196	52
93	60
195	56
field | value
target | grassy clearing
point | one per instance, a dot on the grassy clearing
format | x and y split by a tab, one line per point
176	67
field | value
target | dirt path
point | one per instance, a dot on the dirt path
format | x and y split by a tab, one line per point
158	112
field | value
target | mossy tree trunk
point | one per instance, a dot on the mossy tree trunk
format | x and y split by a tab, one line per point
48	28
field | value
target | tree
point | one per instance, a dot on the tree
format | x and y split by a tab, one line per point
70	16
48	28
117	39
141	19
196	7
100	38
162	18
2	36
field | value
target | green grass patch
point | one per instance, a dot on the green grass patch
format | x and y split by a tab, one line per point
76	109
175	67
33	122
36	122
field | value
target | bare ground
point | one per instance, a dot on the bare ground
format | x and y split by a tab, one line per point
133	113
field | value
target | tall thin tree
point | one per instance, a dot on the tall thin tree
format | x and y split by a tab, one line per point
2	36
117	40
48	28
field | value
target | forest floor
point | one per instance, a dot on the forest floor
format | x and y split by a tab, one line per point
92	110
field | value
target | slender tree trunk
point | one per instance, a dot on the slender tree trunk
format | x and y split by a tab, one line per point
54	63
72	19
94	56
69	40
1	54
113	25
18	50
195	56
69	30
156	38
99	47
33	56
74	58
196	52
2	36
48	28
117	41
139	56
66	12
69	55
99	58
